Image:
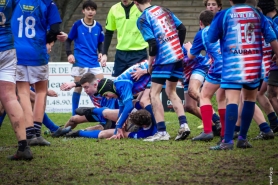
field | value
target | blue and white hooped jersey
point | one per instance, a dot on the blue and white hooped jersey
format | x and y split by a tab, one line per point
239	29
161	24
29	25
86	39
126	78
213	50
6	36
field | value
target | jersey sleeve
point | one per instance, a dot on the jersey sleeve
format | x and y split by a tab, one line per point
176	20
73	32
110	21
145	29
215	31
197	45
53	15
267	30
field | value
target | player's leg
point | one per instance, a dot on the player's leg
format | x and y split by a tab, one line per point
207	93
249	97
191	106
75	120
171	84
194	88
76	95
232	94
146	103
11	105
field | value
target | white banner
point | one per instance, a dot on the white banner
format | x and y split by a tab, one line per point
60	72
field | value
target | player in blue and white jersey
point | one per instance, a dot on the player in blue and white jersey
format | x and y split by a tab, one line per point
239	29
165	34
213	78
7	80
88	38
141	118
124	88
30	23
194	74
269	9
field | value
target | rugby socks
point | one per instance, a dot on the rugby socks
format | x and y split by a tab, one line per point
89	133
98	111
22	145
75	101
150	110
272	118
264	127
49	123
246	118
161	127
215	118
230	122
37	126
222	115
2	118
30	131
182	120
237	128
206	112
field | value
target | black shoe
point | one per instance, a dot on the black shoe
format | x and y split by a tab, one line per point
236	134
217	130
264	136
73	134
223	146
203	137
243	143
61	131
25	155
81	111
274	128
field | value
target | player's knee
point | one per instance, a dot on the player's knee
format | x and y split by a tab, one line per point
74	119
102	135
271	93
193	93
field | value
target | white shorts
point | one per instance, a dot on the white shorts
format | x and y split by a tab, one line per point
8	62
79	71
32	74
199	77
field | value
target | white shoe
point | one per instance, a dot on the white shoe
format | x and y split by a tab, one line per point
183	133
158	137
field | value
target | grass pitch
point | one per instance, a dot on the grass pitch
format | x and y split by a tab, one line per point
92	161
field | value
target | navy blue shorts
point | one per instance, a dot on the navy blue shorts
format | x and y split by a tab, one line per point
126	59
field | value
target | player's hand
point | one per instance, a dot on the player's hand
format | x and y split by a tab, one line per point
67	86
187	46
119	135
138	73
62	37
99	57
71	59
103	60
52	93
49	46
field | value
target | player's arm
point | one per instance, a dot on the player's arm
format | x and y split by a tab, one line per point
180	27
69	85
194	50
54	20
215	31
269	35
68	47
123	114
